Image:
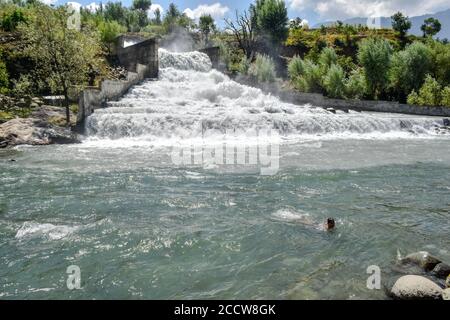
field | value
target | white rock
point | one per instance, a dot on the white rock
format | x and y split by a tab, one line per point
446	294
415	287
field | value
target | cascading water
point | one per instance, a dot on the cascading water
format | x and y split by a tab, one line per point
191	100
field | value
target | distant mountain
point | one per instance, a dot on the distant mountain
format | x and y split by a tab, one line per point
443	17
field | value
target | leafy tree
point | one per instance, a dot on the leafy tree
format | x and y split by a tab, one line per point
430	93
375	57
115	11
410	67
63	56
206	25
157	19
132	20
295	23
441	61
143	5
401	24
11	20
431	27
272	20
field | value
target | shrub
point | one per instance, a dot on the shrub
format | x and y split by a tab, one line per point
410	67
263	69
11	20
430	94
355	85
244	66
327	58
109	30
333	82
295	68
311	79
446	97
375	57
4	78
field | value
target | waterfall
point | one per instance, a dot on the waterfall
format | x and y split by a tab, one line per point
191	100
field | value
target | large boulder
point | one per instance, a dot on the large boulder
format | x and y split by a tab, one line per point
34	132
413	287
423	259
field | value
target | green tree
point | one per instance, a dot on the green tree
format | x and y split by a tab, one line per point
63	56
430	93
11	20
157	19
410	67
272	20
206	25
109	31
431	27
143	5
115	11
374	56
401	24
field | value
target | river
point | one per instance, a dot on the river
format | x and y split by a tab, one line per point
143	221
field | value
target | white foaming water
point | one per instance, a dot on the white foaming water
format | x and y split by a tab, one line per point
192	102
48	230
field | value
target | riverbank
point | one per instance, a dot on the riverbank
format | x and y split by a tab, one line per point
290	95
44	125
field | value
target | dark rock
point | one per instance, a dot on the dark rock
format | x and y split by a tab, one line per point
447	122
331	110
441	270
423	259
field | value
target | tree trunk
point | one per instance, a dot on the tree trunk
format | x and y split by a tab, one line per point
67	104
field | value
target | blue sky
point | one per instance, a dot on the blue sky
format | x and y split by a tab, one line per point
313	11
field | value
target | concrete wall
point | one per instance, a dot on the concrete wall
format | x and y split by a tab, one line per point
144	52
110	90
319	100
140	60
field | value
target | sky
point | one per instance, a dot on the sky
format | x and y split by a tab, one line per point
313	11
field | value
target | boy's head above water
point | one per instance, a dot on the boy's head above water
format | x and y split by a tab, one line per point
330	224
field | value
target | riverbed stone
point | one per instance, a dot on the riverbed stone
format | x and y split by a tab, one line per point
441	270
422	258
412	287
446	294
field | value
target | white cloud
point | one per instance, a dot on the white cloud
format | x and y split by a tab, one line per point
216	10
343	9
93	7
48	2
153	7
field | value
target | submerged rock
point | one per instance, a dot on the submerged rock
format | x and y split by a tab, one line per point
423	259
441	270
413	287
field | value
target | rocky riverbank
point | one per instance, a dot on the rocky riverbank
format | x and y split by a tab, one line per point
426	278
44	125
